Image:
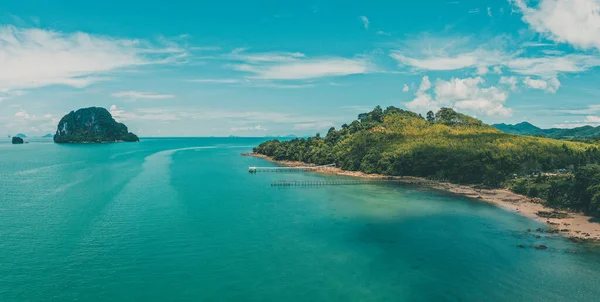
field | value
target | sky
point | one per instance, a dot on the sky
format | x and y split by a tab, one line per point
262	68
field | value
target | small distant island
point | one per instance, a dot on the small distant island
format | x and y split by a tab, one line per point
48	135
17	140
21	135
92	125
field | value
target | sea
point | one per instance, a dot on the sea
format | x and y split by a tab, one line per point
181	219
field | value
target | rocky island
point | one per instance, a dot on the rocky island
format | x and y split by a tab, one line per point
17	140
92	125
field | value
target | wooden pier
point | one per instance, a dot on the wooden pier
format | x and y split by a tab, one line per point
332	182
287	169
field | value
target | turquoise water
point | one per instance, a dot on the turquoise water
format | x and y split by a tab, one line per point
183	220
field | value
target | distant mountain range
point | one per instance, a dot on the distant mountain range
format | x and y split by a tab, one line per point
48	135
526	128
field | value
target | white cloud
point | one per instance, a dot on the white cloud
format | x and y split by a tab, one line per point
365	21
463	94
445	54
314	126
550	66
241	54
591	109
147	114
482	70
474	11
441	60
246	129
32	57
383	33
22	121
592	119
489	11
550	85
216	81
510	81
425	85
135	95
358	108
406	88
576	22
22	114
306	69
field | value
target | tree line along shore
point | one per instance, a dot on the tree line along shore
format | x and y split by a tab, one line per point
459	150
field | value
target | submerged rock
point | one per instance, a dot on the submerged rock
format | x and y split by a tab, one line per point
92	125
540	247
17	140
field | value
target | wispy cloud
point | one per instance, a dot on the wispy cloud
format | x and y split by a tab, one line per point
456	54
33	57
314	126
591	109
258	83
365	21
216	81
247	129
23	121
241	54
306	69
292	65
358	108
135	95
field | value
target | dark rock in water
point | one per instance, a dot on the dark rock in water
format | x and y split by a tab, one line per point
538	236
521	246
92	125
540	247
17	140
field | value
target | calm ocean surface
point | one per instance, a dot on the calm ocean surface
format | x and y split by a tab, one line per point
183	220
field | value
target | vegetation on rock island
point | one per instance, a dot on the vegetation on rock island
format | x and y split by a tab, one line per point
446	145
17	140
92	125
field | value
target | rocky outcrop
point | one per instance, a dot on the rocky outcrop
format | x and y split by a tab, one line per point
92	125
17	140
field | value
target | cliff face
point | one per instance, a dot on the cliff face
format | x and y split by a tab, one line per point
91	125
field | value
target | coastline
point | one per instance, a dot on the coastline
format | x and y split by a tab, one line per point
575	226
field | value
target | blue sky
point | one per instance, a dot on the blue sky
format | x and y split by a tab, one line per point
256	68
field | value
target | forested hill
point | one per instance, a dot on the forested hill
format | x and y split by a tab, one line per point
445	145
526	128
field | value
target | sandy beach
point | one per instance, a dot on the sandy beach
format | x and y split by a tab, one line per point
575	226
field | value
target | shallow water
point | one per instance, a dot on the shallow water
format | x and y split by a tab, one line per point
183	220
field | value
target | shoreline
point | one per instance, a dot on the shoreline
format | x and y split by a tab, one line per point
575	226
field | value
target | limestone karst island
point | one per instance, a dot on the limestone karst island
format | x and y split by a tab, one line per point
92	125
